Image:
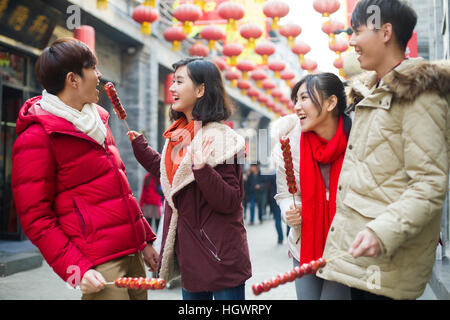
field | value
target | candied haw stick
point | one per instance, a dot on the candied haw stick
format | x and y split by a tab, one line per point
118	108
139	283
289	170
289	276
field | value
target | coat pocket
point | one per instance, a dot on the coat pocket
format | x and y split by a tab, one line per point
368	208
83	218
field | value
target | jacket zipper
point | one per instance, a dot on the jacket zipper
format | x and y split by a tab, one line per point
80	216
203	233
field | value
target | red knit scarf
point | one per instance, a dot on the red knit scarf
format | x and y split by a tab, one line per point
317	214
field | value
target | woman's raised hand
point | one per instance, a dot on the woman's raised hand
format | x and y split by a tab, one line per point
133	135
294	215
201	156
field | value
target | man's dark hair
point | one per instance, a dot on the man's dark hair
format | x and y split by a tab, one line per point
63	56
396	12
215	105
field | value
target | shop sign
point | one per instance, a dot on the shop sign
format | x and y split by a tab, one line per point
30	22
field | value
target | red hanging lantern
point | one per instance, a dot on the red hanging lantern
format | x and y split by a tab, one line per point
253	93
220	63
326	7
244	85
268	85
271	105
258	75
263	99
291	106
199	50
212	33
301	48
339	64
102	4
168	98
330	26
339	45
233	76
287	76
309	65
276	10
176	36
285	100
246	66
251	32
291	31
145	14
277	94
187	13
232	12
265	49
277	67
232	51
86	34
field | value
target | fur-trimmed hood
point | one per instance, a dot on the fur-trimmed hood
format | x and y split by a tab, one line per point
408	81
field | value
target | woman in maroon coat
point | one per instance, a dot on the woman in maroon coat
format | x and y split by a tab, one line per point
204	237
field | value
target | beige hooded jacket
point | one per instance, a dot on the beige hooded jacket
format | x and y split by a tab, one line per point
394	179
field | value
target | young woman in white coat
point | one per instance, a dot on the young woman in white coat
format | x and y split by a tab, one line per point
318	133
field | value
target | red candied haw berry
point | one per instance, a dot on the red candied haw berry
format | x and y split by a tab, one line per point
275	282
140	283
282	278
292	275
257	289
284	140
266	286
314	266
322	262
161	283
293	190
307	267
117	282
299	271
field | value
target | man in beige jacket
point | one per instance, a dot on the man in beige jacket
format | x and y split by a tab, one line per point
395	173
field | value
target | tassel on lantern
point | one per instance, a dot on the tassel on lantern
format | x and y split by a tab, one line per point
146	28
176	45
231	27
275	24
200	4
102	4
232	61
187	27
151	3
301	58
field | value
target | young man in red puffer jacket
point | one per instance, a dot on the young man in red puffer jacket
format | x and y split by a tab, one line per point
69	182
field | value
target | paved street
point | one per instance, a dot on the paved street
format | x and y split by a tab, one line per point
268	259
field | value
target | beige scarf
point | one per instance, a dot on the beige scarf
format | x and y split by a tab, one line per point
87	120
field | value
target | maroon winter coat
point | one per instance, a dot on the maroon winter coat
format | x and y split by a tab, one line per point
203	212
72	195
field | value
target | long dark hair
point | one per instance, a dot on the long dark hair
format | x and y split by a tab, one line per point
215	105
321	87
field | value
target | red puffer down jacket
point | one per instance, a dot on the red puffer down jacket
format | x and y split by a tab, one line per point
72	195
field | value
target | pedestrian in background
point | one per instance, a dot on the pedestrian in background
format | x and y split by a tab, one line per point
74	203
256	188
204	237
150	201
274	208
246	199
318	133
395	173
